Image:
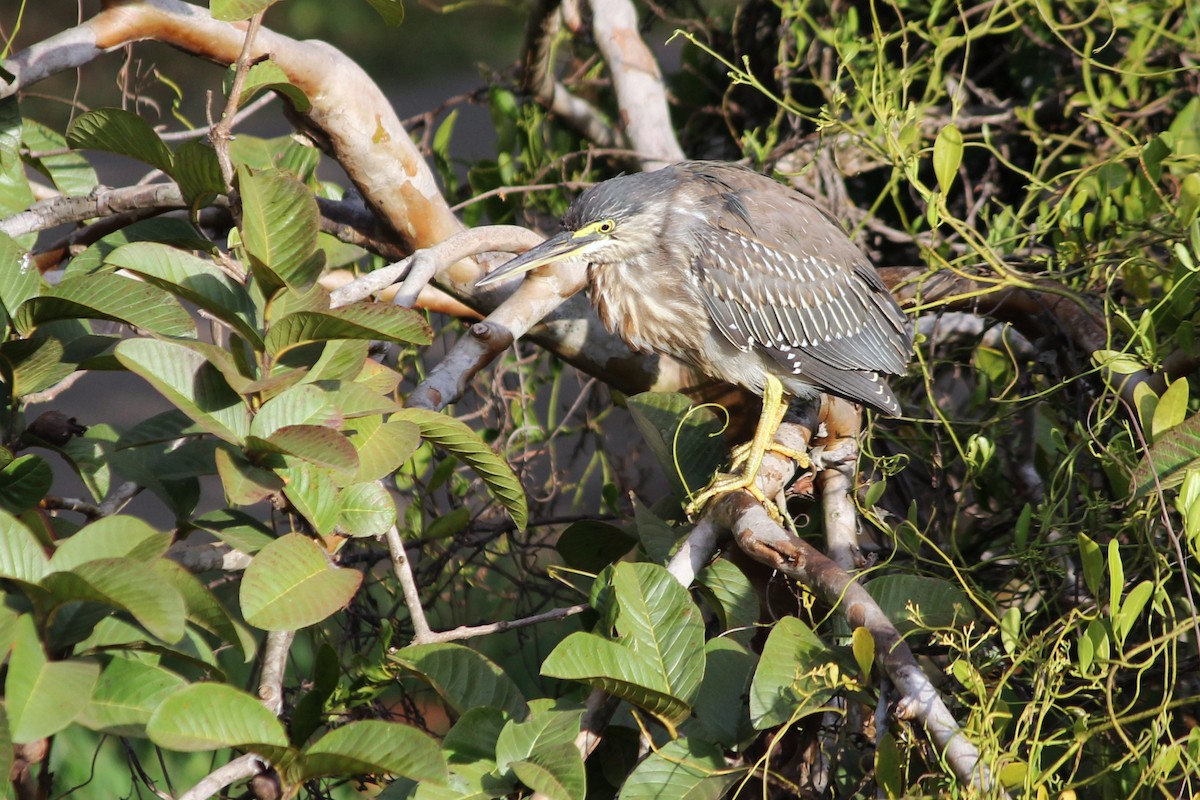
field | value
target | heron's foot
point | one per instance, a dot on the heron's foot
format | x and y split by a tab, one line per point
744	453
723	484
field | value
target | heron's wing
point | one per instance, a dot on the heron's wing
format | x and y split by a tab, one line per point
794	284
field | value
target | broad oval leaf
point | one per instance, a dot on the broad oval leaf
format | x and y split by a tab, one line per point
1168	460
194	386
374	746
314	494
366	510
115	130
320	446
920	602
363	320
110	537
126	584
24	483
21	555
464	678
71	173
290	584
298	405
383	447
947	156
19	276
555	772
685	769
126	696
280	223
193	278
455	437
789	681
685	440
43	696
211	716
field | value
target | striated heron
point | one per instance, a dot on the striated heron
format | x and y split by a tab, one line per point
741	277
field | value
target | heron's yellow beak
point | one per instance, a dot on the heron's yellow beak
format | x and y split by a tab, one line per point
556	248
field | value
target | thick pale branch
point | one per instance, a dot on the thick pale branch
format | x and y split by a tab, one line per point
240	769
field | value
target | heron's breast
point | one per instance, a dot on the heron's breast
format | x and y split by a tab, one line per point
649	313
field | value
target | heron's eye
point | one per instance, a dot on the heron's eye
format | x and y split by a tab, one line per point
605	226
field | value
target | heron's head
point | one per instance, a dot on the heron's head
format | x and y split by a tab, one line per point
614	221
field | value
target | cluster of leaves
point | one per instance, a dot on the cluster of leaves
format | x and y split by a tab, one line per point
995	140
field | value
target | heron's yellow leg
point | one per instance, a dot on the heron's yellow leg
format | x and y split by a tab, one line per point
747	458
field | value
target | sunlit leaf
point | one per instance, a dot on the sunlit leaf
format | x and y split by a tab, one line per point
290	584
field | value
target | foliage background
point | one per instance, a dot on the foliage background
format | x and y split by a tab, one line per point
1044	481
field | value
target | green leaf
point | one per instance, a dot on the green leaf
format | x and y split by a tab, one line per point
162	230
555	772
102	295
862	644
357	321
657	661
43	697
198	173
320	446
458	439
546	726
1168	460
791	679
313	493
591	546
24	483
15	194
194	279
366	510
684	769
473	738
915	602
244	482
735	598
7	754
280	223
463	678
686	443
126	696
383	447
722	704
19	276
236	529
290	584
237	10
211	716
373	746
188	381
269	76
1093	563
114	130
21	555
126	584
71	173
947	156
117	536
392	11
1171	409
297	405
204	609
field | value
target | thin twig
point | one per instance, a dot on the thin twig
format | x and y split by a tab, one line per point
471	631
220	134
408	585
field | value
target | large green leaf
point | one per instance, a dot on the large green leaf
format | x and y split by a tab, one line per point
314	494
42	361
126	584
198	173
21	555
194	279
382	446
19	276
103	295
373	746
245	483
546	726
721	706
193	385
212	716
117	536
791	679
204	609
366	509
42	696
280	223
71	173
15	194
122	132
319	446
464	678
269	76
914	602
163	230
685	441
685	769
358	321
305	404
657	661
455	437
126	696
733	596
1168	460
555	772
290	584
24	483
